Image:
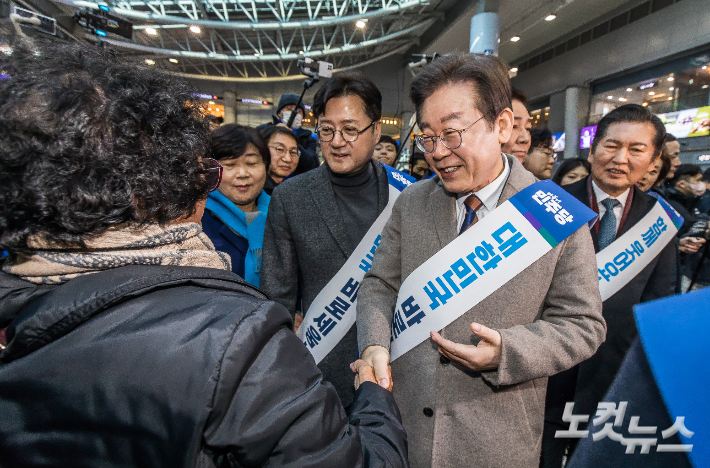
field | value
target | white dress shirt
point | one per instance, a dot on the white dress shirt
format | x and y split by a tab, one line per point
618	209
488	195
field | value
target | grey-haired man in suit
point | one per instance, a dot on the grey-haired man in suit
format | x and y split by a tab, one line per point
627	143
474	395
317	219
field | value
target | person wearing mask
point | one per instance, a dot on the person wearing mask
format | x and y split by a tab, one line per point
683	191
519	143
540	158
571	170
386	151
284	155
307	143
124	338
420	166
704	201
235	214
318	220
627	143
464	388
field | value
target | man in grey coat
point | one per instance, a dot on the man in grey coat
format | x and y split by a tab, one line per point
474	395
317	219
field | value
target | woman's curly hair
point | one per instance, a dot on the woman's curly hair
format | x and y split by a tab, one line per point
88	142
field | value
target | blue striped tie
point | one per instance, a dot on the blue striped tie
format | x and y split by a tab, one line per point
607	226
472	204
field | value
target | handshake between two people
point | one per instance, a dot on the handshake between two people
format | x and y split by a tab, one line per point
374	363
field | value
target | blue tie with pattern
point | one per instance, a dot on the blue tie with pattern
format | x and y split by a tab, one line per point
472	204
607	226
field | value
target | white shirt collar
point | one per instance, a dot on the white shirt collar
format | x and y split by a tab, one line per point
490	194
602	195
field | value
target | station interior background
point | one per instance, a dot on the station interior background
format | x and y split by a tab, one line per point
575	59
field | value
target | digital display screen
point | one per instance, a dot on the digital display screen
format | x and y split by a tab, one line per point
586	137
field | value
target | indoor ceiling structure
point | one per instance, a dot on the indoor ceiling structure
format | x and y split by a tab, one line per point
262	40
531	27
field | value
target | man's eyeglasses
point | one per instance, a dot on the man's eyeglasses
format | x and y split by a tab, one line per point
349	132
281	151
547	152
449	137
213	173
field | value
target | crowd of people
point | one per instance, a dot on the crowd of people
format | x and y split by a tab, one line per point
182	293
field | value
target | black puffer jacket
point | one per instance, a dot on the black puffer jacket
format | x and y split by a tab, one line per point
173	367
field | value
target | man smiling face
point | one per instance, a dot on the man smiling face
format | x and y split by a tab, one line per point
477	161
623	155
519	143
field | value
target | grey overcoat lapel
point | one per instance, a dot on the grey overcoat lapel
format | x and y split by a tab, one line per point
442	209
516	180
323	197
383	194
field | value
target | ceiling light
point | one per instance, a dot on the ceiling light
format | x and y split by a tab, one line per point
150	62
610	97
670	98
256	54
195	29
704	67
514	69
623	99
644	104
173	60
360	24
670	78
151	31
628	90
300	52
212	103
671	88
705	86
550	17
651	93
515	39
691	81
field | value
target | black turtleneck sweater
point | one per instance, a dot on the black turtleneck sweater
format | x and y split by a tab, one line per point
356	196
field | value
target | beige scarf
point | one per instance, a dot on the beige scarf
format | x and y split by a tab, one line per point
176	244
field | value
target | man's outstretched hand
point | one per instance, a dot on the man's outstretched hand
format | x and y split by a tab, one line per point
379	359
484	356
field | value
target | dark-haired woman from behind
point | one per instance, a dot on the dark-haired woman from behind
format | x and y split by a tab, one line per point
125	341
235	215
572	170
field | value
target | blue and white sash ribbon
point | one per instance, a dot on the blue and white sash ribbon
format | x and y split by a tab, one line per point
332	312
628	255
488	255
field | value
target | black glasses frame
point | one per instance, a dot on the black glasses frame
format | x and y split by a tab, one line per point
421	138
335	130
213	173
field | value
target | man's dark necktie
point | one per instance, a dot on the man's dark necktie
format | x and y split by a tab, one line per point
607	226
472	204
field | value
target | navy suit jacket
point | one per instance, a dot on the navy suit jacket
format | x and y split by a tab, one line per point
225	240
591	379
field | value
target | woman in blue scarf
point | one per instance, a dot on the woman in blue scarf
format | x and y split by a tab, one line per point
235	214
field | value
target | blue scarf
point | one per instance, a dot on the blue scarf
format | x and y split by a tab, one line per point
232	216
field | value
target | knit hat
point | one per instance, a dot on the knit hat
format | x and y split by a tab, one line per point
288	99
